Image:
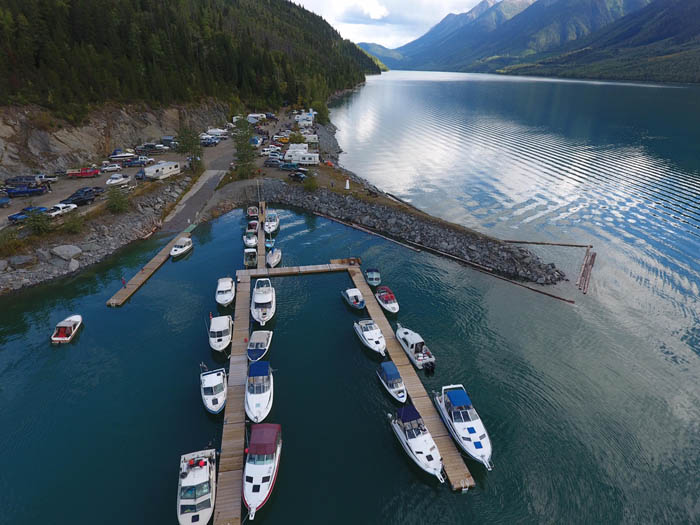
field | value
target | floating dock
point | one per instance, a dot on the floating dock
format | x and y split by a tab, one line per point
261	238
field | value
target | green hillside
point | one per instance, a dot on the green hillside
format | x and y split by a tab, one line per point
381	65
67	55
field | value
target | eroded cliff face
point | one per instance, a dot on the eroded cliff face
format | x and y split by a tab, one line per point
32	140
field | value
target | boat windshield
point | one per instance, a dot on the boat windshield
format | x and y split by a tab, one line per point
368	328
414	432
464	415
223	292
394	383
213	390
258	384
188	509
260	459
195	491
216	334
263	305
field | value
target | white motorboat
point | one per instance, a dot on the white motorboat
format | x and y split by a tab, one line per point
252	226
118	179
66	330
252	212
250	258
220	330
463	421
416	349
212	385
354	298
273	257
371	336
261	465
250	239
225	291
196	488
416	440
263	302
259	344
260	390
272	222
373	277
181	247
387	300
391	379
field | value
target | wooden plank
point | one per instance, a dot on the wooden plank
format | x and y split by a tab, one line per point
227	510
457	472
233	442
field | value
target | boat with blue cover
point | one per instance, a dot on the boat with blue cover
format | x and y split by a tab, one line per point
391	379
416	440
463	421
259	344
259	392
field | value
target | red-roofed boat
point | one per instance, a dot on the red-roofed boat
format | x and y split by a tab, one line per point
386	299
261	466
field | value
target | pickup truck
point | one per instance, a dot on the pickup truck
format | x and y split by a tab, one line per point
42	177
80	197
25	213
24	180
289	166
26	191
83	172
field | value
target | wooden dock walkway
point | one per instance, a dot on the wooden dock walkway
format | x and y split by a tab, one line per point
457	472
146	272
261	235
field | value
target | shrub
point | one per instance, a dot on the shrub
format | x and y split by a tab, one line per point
117	201
296	138
310	184
9	243
73	223
39	223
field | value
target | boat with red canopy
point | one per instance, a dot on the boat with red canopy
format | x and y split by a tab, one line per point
261	466
65	330
387	299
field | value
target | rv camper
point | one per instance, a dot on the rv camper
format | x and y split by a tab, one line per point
162	171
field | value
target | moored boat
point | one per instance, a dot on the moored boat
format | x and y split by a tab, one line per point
272	222
250	239
67	329
371	336
182	246
269	243
252	226
415	348
196	489
259	344
250	258
273	257
373	277
261	466
263	302
252	212
220	329
462	420
387	299
354	298
391	379
212	386
260	391
416	440
225	291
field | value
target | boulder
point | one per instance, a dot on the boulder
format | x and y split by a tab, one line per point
3	265
43	255
66	251
73	265
19	261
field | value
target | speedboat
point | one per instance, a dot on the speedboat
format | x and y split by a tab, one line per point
65	330
386	299
250	239
220	329
118	179
272	222
416	440
250	258
212	385
371	336
373	277
269	243
261	465
273	257
259	392
252	212
416	349
181	247
259	344
354	298
196	488
252	226
263	301
391	379
465	425
225	291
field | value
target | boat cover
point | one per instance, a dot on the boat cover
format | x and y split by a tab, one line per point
408	413
459	398
259	369
386	294
263	438
390	371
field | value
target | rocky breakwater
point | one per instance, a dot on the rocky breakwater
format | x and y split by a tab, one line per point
403	224
59	256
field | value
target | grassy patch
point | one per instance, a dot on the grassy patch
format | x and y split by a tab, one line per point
10	244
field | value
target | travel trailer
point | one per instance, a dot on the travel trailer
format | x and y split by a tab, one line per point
162	171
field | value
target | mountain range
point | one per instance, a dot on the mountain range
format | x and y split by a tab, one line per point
655	40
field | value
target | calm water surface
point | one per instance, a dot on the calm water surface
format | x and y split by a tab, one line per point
592	409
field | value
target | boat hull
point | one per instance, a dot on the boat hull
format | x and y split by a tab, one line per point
425	468
259	415
379	349
392	393
78	323
224	303
252	510
392	308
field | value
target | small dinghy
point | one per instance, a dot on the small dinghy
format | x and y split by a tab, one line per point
252	212
259	344
261	466
416	440
463	421
182	246
212	385
416	349
391	379
259	392
272	222
250	239
386	299
250	258
354	298
371	336
273	257
373	277
65	330
196	488
225	291
220	329
263	301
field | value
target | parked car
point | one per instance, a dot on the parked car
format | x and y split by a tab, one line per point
99	190
147	160
272	163
118	179
81	197
25	213
43	177
297	176
134	163
111	167
26	191
60	209
24	180
83	172
289	166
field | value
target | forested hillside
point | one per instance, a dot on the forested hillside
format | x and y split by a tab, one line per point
68	54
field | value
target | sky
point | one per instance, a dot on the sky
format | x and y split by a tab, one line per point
390	23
